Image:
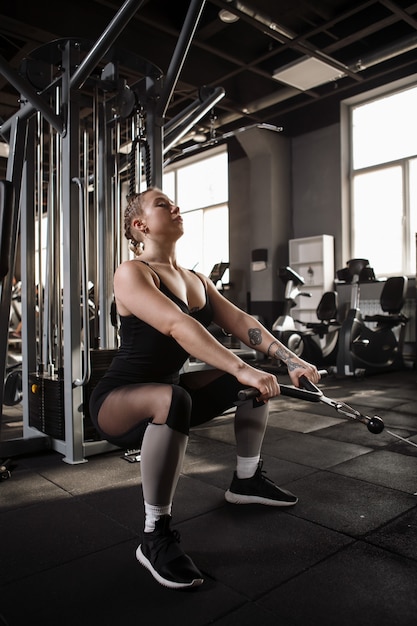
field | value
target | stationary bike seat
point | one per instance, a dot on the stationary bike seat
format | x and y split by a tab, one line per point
392	300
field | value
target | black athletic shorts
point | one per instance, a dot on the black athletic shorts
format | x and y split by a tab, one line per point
207	402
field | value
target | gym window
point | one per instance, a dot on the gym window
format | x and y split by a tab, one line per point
200	188
383	181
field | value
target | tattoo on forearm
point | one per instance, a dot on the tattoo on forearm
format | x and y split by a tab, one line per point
255	336
293	366
284	355
274	343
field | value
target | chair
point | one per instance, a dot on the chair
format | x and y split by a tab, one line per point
320	338
326	313
392	300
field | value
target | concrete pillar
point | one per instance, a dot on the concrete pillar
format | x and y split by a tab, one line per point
260	197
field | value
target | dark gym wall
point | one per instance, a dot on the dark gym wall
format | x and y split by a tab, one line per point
239	232
280	188
316	186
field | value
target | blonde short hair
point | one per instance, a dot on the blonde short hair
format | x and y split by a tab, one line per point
134	208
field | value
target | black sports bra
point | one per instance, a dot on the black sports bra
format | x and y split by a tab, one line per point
147	349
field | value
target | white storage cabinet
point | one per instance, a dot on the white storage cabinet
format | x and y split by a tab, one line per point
313	259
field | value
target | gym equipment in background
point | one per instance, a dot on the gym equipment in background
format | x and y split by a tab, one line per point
320	339
317	342
285	323
363	349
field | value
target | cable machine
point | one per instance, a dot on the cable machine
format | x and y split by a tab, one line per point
90	129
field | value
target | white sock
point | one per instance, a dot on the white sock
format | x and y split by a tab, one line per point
153	513
247	466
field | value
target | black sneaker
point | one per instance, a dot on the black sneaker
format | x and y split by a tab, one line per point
160	553
258	490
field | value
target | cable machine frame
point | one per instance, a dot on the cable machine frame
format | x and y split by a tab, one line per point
83	211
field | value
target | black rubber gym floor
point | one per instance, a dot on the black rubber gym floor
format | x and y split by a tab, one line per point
345	555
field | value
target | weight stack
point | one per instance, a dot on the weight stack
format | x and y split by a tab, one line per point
46	399
46	405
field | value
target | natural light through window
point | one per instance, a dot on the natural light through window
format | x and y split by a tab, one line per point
385	130
377	201
384	182
203	183
200	188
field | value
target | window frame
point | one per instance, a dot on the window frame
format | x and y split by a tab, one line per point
174	168
348	172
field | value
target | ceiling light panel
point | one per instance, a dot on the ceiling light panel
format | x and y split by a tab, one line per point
307	74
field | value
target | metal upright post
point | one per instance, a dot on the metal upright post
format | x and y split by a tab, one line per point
32	438
74	435
105	224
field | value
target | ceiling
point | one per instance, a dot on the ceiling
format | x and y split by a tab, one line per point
362	43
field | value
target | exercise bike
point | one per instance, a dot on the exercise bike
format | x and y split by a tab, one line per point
364	349
316	343
320	339
284	325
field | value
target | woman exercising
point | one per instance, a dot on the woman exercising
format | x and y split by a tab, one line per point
143	402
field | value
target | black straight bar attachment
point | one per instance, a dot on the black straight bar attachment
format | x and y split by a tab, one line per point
308	391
